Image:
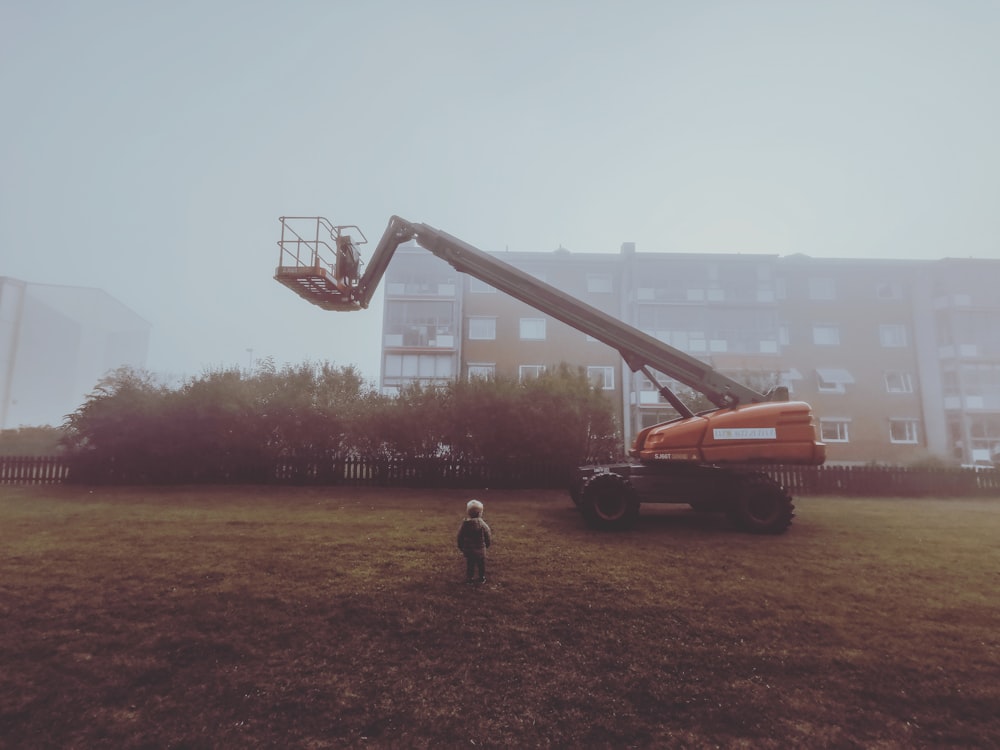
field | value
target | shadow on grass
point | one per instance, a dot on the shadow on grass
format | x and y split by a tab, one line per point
653	519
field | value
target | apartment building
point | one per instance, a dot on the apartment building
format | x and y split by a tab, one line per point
900	359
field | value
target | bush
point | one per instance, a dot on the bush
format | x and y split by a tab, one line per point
235	426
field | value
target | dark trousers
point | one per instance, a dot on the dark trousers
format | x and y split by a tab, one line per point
474	561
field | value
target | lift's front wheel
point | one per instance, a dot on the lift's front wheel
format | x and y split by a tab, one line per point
609	502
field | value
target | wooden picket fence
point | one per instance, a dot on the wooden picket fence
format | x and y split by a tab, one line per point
422	472
886	481
33	470
870	481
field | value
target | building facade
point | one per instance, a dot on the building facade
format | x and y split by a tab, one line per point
899	359
56	342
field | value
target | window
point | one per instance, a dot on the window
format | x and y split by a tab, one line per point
482	329
903	431
602	377
978	381
822	289
898	382
425	277
418	366
780	288
482	371
532	329
833	380
647	391
834	430
892	334
984	437
825	386
765	294
786	378
419	323
826	335
528	372
888	290
600	283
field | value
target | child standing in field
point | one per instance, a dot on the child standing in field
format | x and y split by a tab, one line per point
474	537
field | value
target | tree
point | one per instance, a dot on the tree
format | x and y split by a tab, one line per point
112	435
559	418
314	414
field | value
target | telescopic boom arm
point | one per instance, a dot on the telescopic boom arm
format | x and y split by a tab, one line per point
336	286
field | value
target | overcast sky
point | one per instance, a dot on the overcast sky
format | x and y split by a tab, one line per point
147	148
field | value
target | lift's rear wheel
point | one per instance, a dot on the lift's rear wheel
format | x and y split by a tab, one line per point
609	502
761	506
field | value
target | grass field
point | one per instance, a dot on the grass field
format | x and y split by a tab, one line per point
337	617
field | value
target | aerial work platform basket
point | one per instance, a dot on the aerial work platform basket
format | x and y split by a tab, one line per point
319	261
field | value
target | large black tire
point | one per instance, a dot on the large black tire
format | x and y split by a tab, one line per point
761	506
608	502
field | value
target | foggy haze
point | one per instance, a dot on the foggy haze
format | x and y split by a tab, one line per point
149	148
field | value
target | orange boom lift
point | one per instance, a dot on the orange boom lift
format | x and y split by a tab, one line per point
710	461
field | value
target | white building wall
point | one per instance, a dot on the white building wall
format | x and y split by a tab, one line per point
56	343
